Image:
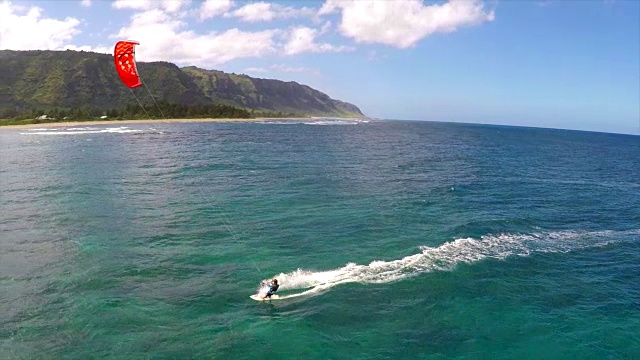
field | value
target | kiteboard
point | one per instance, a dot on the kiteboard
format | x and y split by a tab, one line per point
258	297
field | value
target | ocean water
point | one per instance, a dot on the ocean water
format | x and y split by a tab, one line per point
391	240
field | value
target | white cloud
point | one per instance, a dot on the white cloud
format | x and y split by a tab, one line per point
254	12
85	3
282	68
164	30
162	37
167	5
543	3
325	27
302	39
373	55
165	36
132	4
24	28
263	11
256	70
295	69
402	23
213	8
99	49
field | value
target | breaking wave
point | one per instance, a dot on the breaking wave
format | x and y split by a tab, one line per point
85	130
317	121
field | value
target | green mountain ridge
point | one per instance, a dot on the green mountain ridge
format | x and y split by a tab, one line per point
41	79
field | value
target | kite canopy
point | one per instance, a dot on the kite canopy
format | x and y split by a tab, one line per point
124	57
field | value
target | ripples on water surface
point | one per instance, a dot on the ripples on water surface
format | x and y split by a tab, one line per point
391	240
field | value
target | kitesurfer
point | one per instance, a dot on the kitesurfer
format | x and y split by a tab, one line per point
273	287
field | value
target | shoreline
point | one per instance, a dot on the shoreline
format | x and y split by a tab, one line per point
145	121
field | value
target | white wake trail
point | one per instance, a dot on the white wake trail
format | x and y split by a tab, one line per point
446	257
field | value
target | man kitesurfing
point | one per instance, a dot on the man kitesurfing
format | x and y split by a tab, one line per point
124	59
267	290
273	287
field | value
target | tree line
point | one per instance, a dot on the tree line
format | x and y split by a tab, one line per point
134	111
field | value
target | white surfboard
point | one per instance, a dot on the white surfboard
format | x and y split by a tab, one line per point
258	297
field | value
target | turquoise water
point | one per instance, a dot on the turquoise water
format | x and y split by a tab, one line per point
391	240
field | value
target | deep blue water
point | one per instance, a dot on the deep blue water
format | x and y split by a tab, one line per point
391	240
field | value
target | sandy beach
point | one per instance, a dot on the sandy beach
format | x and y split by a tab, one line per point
146	121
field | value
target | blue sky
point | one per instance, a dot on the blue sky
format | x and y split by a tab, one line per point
564	64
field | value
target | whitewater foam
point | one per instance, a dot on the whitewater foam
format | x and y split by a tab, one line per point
82	130
316	121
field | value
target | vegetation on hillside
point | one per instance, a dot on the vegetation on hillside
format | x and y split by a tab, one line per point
85	84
